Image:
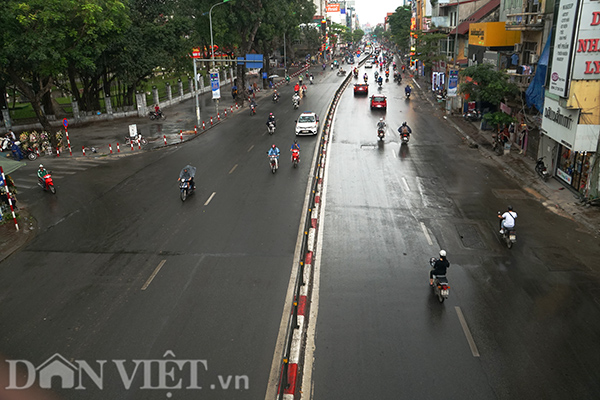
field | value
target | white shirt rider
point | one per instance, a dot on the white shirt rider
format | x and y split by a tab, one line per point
508	219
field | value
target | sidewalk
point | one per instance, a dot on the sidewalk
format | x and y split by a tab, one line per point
553	194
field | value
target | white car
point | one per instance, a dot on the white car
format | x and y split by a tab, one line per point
307	124
369	64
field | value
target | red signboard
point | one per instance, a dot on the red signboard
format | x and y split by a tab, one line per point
196	52
332	8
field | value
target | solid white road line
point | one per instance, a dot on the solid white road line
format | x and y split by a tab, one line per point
467	332
233	169
405	184
149	281
426	234
210	198
250	149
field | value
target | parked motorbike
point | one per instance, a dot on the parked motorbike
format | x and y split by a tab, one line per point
7	144
156	115
541	169
295	157
440	95
440	286
498	144
271	128
135	139
46	183
273	163
472	115
29	153
508	235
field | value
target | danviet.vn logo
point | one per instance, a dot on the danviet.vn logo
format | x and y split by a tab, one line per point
168	373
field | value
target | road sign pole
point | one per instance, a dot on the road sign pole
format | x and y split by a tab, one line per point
196	93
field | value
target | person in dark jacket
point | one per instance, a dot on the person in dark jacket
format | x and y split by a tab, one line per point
440	267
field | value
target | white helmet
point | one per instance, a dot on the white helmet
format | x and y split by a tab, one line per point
41	166
381	119
442	253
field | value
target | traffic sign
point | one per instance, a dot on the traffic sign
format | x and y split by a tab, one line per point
65	123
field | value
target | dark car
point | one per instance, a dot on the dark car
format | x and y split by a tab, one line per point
379	102
361	88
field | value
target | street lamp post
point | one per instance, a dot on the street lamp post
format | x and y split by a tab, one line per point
212	46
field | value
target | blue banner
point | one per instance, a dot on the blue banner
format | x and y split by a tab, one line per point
214	84
452	83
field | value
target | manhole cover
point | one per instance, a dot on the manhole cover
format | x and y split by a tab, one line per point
509	194
470	237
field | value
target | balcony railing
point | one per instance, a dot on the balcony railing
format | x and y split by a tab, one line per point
525	22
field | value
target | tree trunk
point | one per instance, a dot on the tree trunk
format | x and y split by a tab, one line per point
35	99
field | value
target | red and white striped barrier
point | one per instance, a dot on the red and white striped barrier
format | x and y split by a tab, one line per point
57	152
195	130
181	135
211	121
110	148
131	145
68	141
83	150
139	144
118	149
203	126
9	197
165	138
218	116
225	113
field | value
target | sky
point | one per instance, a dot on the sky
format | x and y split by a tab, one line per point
374	11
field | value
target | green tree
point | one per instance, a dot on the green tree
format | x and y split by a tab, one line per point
38	36
400	27
357	35
487	85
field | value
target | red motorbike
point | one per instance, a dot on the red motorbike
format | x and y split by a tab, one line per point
295	157
46	183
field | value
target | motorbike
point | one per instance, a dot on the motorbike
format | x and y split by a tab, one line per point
30	153
271	128
135	139
185	185
295	157
440	95
365	79
404	137
407	95
341	72
7	144
303	92
355	74
273	163
541	169
156	115
186	189
296	102
311	80
440	286
508	235
497	144
379	83
47	183
275	97
381	133
472	115
252	109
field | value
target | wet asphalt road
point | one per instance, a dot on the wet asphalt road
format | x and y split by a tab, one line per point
533	311
121	269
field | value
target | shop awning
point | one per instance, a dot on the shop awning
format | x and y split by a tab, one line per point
463	27
9	165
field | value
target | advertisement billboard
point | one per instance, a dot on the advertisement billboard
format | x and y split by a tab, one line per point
586	65
563	47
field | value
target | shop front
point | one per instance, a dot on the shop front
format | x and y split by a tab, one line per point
574	144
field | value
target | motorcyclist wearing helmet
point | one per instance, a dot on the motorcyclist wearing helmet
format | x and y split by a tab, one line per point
405	129
508	220
380	80
381	124
407	90
365	77
295	146
439	267
41	172
271	119
273	151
